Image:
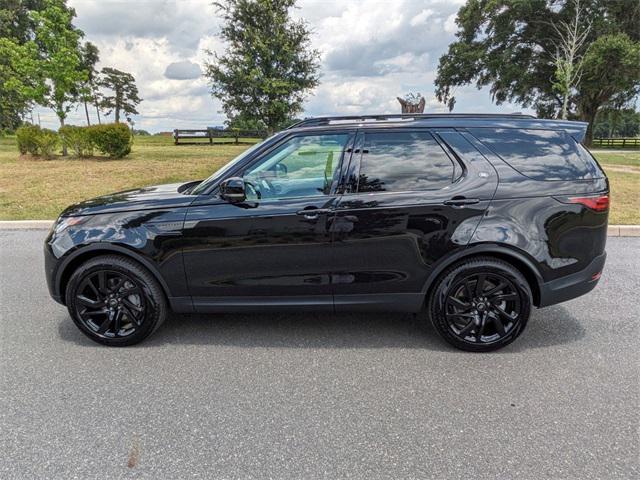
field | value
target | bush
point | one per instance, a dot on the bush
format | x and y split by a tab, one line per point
78	139
113	139
26	137
47	141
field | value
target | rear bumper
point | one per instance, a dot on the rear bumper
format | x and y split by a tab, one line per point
572	286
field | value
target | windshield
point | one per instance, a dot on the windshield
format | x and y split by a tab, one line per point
204	186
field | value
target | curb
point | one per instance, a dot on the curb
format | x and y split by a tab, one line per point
623	231
612	231
25	224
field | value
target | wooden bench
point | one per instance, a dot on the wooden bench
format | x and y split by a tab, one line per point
195	137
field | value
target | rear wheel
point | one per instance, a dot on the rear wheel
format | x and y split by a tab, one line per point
115	301
480	305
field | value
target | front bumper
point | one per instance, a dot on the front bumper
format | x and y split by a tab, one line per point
50	270
572	286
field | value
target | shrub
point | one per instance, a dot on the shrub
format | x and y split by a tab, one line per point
26	137
47	141
78	139
113	139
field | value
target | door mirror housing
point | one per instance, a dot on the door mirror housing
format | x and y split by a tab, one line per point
233	190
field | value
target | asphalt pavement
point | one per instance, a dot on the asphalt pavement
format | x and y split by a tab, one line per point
318	396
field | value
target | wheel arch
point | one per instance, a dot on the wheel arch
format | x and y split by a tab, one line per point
88	252
512	256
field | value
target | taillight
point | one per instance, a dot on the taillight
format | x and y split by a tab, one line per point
597	204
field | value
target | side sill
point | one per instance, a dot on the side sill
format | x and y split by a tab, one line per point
387	302
390	302
314	303
181	304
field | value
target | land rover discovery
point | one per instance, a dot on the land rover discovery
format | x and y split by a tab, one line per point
467	220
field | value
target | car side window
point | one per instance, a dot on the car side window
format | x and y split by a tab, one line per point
300	167
403	161
540	154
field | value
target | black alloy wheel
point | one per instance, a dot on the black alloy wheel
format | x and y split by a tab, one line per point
110	303
481	305
115	301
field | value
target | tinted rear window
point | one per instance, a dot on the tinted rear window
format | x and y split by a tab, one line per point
403	161
540	154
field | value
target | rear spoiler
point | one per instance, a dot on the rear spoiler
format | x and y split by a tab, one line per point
577	130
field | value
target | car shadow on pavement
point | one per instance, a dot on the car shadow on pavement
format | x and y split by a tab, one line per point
549	327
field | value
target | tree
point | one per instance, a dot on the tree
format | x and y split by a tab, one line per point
18	80
617	123
16	21
572	35
124	98
243	122
611	76
268	67
90	57
60	58
510	46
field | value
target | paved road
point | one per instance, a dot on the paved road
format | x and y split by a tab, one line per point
315	396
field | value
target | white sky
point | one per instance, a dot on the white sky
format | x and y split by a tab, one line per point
372	51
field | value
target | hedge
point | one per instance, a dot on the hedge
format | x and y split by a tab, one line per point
113	139
26	138
77	139
47	141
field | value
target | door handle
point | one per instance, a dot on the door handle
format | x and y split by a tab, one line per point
461	201
313	213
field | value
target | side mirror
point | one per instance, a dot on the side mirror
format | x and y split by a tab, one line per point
233	190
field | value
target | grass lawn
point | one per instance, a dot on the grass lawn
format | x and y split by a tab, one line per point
40	189
631	157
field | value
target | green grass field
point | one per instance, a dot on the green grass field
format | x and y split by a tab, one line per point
32	188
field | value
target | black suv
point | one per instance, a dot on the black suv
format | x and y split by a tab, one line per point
469	220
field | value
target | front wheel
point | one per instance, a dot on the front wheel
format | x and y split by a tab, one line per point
480	305
115	301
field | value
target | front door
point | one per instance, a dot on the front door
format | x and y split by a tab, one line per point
410	200
274	249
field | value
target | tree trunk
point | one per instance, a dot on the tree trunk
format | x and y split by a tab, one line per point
95	101
117	114
86	112
590	117
64	146
565	107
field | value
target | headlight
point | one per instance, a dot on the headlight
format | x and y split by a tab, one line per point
65	222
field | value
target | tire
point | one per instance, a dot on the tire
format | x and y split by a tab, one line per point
485	318
115	301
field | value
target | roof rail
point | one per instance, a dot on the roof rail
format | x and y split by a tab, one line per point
318	121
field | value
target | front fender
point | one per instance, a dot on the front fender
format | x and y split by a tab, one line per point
152	238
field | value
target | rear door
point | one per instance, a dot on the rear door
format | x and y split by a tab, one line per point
410	197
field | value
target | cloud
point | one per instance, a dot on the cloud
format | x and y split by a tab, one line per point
450	25
371	52
181	22
421	18
184	70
